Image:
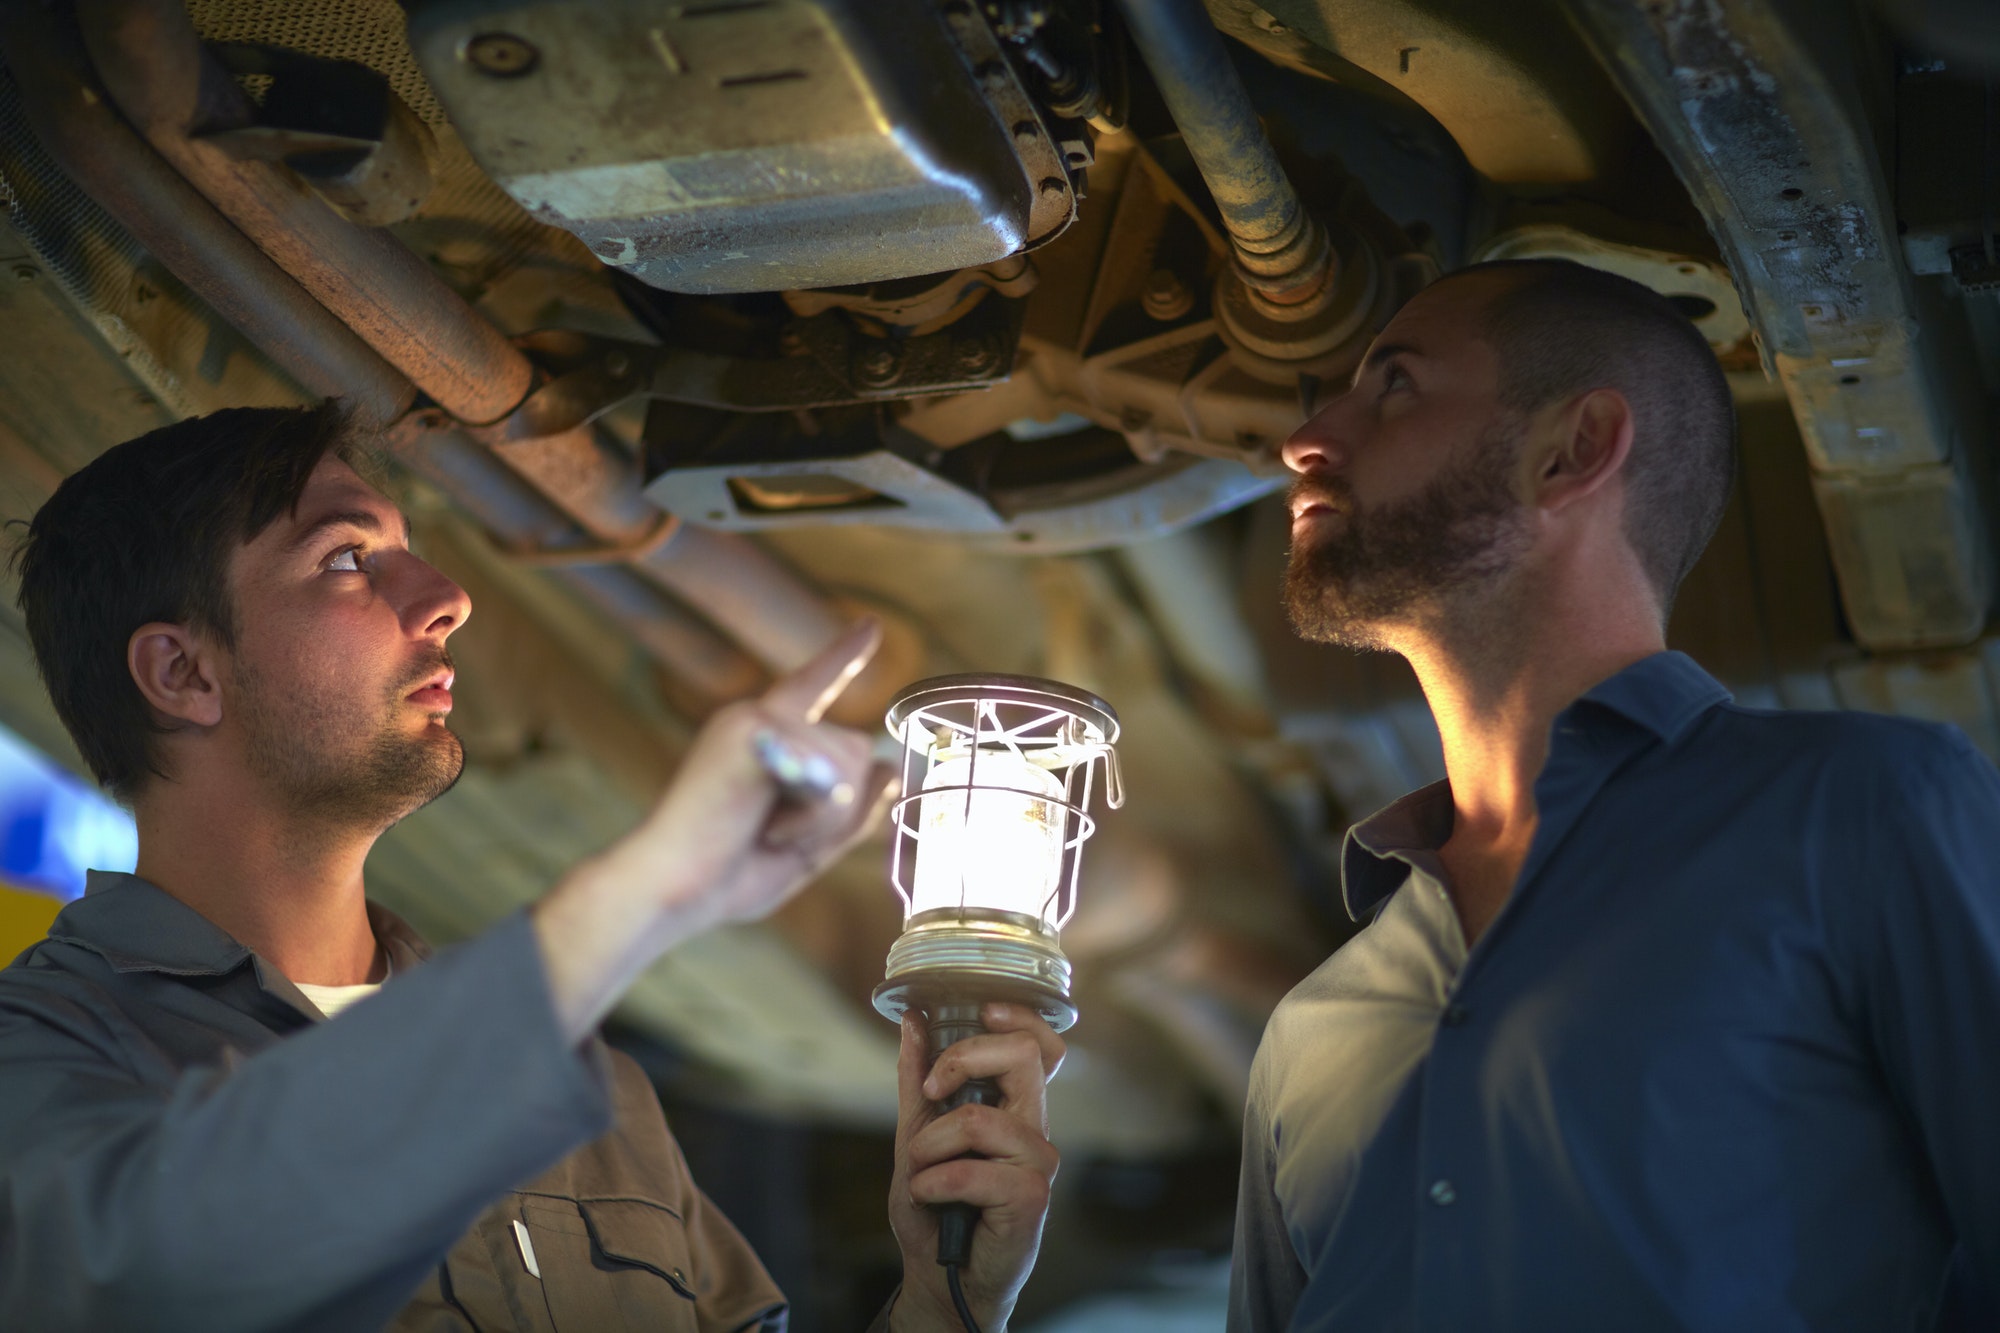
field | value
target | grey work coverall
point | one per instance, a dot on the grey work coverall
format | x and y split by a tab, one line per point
185	1143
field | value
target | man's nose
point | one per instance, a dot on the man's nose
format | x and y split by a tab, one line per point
433	606
1316	443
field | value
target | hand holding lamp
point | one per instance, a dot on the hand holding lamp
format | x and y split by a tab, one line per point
998	776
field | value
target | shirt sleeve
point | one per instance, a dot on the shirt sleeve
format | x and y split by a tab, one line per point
307	1186
1265	1276
1921	932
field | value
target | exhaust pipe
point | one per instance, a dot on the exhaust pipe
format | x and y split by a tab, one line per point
151	61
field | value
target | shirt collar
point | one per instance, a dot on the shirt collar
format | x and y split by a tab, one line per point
136	926
1662	694
1377	855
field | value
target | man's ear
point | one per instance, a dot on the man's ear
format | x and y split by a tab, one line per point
1591	439
176	670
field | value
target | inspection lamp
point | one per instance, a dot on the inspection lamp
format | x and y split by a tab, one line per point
998	777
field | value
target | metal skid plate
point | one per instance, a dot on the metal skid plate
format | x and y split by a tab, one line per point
751	478
752	147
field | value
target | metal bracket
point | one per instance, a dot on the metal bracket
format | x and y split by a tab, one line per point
338	124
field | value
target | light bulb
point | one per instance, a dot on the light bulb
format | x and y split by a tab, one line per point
986	849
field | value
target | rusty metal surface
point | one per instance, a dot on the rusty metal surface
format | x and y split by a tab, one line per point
1311	278
1760	105
1201	416
549	441
101	154
735	148
1512	82
469	229
1278	245
833	361
922	304
151	62
824	360
339	125
1260	208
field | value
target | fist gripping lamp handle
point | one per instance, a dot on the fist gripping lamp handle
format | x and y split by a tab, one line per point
949	1025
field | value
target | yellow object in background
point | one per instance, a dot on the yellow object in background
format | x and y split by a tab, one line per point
24	919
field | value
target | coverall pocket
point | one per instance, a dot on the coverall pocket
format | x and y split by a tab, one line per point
612	1265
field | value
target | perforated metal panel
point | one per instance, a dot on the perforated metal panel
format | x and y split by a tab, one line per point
368	31
171	342
469	227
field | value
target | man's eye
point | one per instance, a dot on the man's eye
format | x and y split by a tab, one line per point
1395	377
348	560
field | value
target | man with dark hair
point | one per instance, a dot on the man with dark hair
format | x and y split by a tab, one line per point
233	627
1666	1014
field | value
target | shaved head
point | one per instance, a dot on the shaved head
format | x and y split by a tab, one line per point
1563	329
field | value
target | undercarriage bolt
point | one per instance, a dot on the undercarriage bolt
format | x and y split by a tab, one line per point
878	366
977	356
501	54
1166	296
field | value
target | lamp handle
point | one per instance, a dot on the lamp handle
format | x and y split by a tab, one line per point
949	1025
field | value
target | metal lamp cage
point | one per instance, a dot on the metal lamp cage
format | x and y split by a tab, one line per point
1053	726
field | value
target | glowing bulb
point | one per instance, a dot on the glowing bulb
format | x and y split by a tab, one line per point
986	849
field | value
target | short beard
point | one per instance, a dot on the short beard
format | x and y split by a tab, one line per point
305	751
1365	572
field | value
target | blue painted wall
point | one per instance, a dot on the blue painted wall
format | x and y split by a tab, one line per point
54	826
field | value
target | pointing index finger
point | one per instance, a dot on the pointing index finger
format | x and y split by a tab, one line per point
807	692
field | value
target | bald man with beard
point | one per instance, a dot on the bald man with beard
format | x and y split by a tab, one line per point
1665	1013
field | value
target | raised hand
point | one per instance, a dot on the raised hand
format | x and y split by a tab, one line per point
741	847
725	843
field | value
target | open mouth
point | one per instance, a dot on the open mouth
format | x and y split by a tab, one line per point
1313	496
1310	507
434	694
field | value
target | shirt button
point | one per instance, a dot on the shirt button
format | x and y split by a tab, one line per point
1455	1015
1442	1194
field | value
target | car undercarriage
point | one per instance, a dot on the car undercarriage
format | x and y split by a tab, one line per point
696	330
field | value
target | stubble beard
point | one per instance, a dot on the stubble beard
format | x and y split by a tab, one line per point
1357	577
346	764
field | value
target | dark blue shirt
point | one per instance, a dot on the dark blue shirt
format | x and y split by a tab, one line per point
1729	1058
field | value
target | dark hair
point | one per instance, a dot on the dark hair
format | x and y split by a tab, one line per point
1562	329
144	533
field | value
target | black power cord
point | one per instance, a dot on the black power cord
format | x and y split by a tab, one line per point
958	1298
956	1220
